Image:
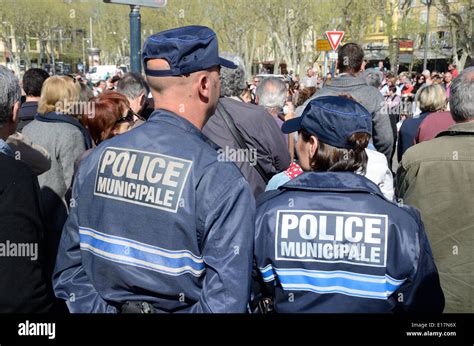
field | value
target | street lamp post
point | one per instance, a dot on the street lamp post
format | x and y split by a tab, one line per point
53	46
84	53
90	24
425	53
135	31
53	61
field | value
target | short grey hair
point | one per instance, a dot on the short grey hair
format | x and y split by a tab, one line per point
373	77
272	92
232	80
461	98
132	85
10	93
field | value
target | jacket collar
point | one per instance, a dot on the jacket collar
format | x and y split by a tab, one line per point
346	80
56	117
174	119
29	104
182	123
458	129
333	181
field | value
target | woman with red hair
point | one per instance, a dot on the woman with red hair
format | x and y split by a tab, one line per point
111	115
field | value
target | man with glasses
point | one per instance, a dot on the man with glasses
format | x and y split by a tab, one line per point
158	223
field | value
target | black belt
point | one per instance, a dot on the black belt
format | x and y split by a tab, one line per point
137	307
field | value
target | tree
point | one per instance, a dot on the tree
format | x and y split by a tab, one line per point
294	28
356	19
398	24
461	22
238	30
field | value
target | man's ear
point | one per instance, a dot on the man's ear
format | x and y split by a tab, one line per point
313	145
204	84
142	99
16	107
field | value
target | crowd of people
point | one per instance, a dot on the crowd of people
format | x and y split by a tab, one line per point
191	189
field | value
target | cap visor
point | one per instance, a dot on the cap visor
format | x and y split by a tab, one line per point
292	125
227	63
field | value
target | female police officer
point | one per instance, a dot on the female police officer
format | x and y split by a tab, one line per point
328	240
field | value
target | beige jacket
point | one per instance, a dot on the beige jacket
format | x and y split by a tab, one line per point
437	177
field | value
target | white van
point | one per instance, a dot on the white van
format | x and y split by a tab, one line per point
102	72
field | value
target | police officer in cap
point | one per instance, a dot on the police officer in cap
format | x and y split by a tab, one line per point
157	223
328	240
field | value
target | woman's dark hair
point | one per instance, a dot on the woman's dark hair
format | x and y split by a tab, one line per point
331	159
304	95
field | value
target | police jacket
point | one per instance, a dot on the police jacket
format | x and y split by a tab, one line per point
331	242
156	217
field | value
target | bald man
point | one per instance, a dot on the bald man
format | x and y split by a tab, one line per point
159	222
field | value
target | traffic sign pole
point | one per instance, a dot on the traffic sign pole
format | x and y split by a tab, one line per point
325	63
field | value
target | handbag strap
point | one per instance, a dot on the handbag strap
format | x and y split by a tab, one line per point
238	137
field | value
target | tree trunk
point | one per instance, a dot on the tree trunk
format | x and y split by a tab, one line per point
455	44
27	54
248	64
13	57
462	61
283	52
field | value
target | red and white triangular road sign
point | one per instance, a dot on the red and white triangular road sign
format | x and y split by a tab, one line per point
334	38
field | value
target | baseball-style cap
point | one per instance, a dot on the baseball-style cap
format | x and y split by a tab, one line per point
333	119
187	49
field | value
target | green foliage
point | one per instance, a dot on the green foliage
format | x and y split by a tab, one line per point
276	28
256	30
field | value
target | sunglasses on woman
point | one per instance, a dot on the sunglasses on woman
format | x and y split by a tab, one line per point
129	117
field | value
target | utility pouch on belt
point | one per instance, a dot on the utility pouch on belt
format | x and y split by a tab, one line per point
137	307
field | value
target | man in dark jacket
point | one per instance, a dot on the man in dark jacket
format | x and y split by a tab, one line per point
32	83
264	139
349	63
24	287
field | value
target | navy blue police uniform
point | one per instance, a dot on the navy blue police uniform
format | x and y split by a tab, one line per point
330	242
155	217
